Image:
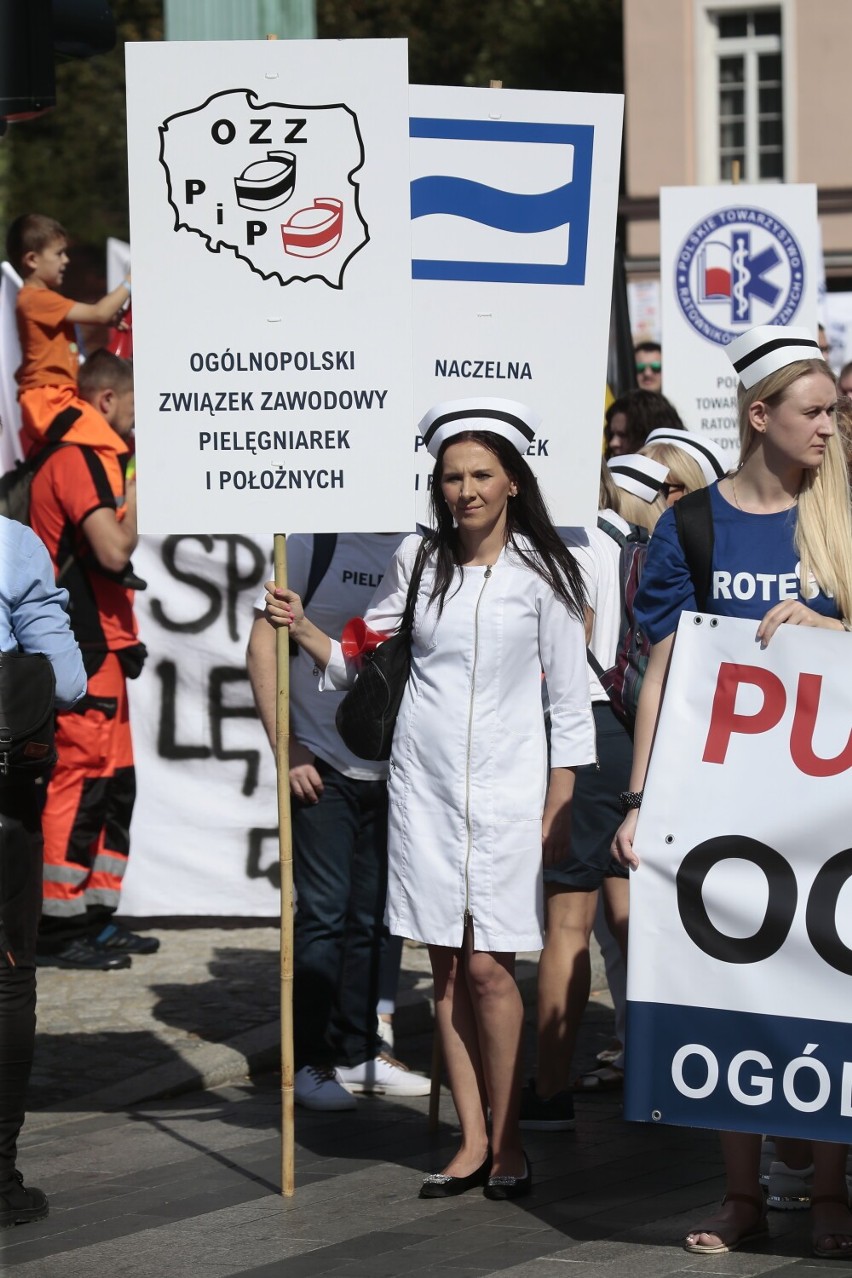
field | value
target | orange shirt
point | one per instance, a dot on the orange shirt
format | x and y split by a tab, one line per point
70	485
48	341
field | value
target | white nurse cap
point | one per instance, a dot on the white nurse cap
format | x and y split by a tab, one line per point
639	475
709	456
515	422
763	350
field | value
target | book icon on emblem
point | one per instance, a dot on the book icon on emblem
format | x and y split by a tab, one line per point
266	184
315	230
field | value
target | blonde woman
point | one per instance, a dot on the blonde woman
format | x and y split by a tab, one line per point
692	461
639	481
785	512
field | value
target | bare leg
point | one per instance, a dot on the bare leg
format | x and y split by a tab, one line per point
741	1152
616	895
831	1220
795	1153
459	1040
564	979
499	1013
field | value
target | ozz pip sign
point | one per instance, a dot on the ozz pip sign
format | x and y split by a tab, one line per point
821	913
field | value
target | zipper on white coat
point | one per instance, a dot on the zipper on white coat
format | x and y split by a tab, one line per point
467	913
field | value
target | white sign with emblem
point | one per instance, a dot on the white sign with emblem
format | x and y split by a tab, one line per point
513	204
271	285
731	257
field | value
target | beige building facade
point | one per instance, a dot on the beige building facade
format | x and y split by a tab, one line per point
716	87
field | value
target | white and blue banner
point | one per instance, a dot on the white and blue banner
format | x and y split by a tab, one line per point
731	257
513	203
739	1013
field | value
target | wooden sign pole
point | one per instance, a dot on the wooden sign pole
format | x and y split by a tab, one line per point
285	860
285	864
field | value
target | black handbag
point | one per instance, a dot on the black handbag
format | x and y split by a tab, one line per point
366	717
27	691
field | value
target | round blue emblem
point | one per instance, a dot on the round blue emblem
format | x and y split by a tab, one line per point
738	267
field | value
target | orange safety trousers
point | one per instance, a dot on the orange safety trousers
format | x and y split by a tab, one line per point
90	798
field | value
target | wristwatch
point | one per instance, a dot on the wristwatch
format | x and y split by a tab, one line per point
630	799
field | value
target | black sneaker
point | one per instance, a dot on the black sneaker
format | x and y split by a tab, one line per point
118	939
81	955
553	1115
18	1206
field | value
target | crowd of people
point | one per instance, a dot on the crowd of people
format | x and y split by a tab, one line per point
504	819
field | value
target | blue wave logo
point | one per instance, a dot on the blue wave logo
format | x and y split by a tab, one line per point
509	212
504	210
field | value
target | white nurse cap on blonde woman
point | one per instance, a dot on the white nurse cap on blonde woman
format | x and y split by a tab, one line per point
763	350
709	456
515	422
639	475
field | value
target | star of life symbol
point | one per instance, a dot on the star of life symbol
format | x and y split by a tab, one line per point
270	182
739	267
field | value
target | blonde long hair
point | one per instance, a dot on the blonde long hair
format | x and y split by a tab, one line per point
824	524
682	468
638	511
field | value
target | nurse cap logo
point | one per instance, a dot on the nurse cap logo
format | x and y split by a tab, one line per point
709	456
515	422
765	349
639	475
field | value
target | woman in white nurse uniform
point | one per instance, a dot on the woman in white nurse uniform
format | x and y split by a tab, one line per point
474	806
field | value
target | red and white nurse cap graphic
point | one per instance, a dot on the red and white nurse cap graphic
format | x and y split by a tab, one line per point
514	421
709	456
763	350
639	475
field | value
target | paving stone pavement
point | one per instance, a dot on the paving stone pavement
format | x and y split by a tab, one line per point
155	1132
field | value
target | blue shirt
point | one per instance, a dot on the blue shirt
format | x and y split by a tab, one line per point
754	567
32	610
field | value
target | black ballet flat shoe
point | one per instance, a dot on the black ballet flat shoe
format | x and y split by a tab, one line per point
499	1188
440	1186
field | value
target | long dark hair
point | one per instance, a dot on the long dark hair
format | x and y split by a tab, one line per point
526	515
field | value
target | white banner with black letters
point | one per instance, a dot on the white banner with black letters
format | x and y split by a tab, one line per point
740	973
269	208
204	834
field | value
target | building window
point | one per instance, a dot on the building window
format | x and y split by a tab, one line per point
748	59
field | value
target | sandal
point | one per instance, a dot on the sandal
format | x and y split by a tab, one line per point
761	1229
608	1078
831	1253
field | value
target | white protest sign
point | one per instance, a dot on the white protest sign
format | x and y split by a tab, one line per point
513	203
731	257
740	922
10	359
204	835
271	285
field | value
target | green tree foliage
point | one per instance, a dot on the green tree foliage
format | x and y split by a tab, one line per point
528	44
72	162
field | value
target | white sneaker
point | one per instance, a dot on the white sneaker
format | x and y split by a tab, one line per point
316	1087
383	1077
788	1188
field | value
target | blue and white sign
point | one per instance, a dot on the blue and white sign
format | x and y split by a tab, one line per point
731	257
466	228
513	203
738	268
739	1009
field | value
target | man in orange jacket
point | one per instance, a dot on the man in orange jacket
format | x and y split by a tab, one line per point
84	509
